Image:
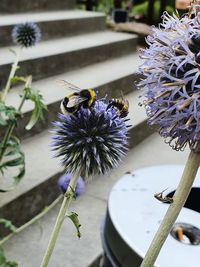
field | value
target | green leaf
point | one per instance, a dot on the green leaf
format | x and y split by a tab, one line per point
2	257
11	264
8	224
20	175
34	118
3	190
16	79
16	159
39	107
13	162
74	218
4	262
7	114
2	121
13	146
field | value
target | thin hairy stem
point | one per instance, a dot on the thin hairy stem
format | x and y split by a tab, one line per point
11	75
64	207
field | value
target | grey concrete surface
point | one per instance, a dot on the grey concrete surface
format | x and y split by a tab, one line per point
67	45
28	247
54	24
64	54
11	6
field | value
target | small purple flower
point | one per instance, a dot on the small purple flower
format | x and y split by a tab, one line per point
92	141
171	82
64	180
26	34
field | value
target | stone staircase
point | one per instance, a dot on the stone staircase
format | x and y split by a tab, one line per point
75	47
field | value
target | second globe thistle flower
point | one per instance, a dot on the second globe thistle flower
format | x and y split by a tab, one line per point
171	80
91	140
26	34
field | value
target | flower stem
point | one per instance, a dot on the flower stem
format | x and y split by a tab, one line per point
35	219
12	124
11	75
174	209
61	215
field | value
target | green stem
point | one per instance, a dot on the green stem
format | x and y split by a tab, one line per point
12	124
35	219
174	209
11	75
61	215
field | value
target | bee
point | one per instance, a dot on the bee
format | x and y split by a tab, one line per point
164	199
194	43
121	105
81	98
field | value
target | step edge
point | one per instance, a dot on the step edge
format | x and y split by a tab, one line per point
30	58
100	15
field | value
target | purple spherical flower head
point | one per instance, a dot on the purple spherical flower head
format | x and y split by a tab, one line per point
171	82
64	180
26	34
91	140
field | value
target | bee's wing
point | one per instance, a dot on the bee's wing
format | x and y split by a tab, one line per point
69	85
127	103
75	100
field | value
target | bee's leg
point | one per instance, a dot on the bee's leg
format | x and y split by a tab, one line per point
169	199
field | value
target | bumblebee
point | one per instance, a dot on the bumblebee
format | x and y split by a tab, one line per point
194	43
81	98
121	105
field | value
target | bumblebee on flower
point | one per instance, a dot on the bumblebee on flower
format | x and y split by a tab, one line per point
93	140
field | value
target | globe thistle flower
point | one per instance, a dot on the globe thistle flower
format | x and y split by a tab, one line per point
26	34
64	180
171	82
92	141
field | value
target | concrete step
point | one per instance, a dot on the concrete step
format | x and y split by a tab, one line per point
108	77
56	56
54	24
91	207
42	171
10	6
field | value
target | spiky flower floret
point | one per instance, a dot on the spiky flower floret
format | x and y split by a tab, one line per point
91	141
26	34
171	82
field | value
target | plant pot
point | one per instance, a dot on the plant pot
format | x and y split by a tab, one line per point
134	214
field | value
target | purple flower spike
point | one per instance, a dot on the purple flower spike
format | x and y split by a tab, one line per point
64	180
171	82
91	140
